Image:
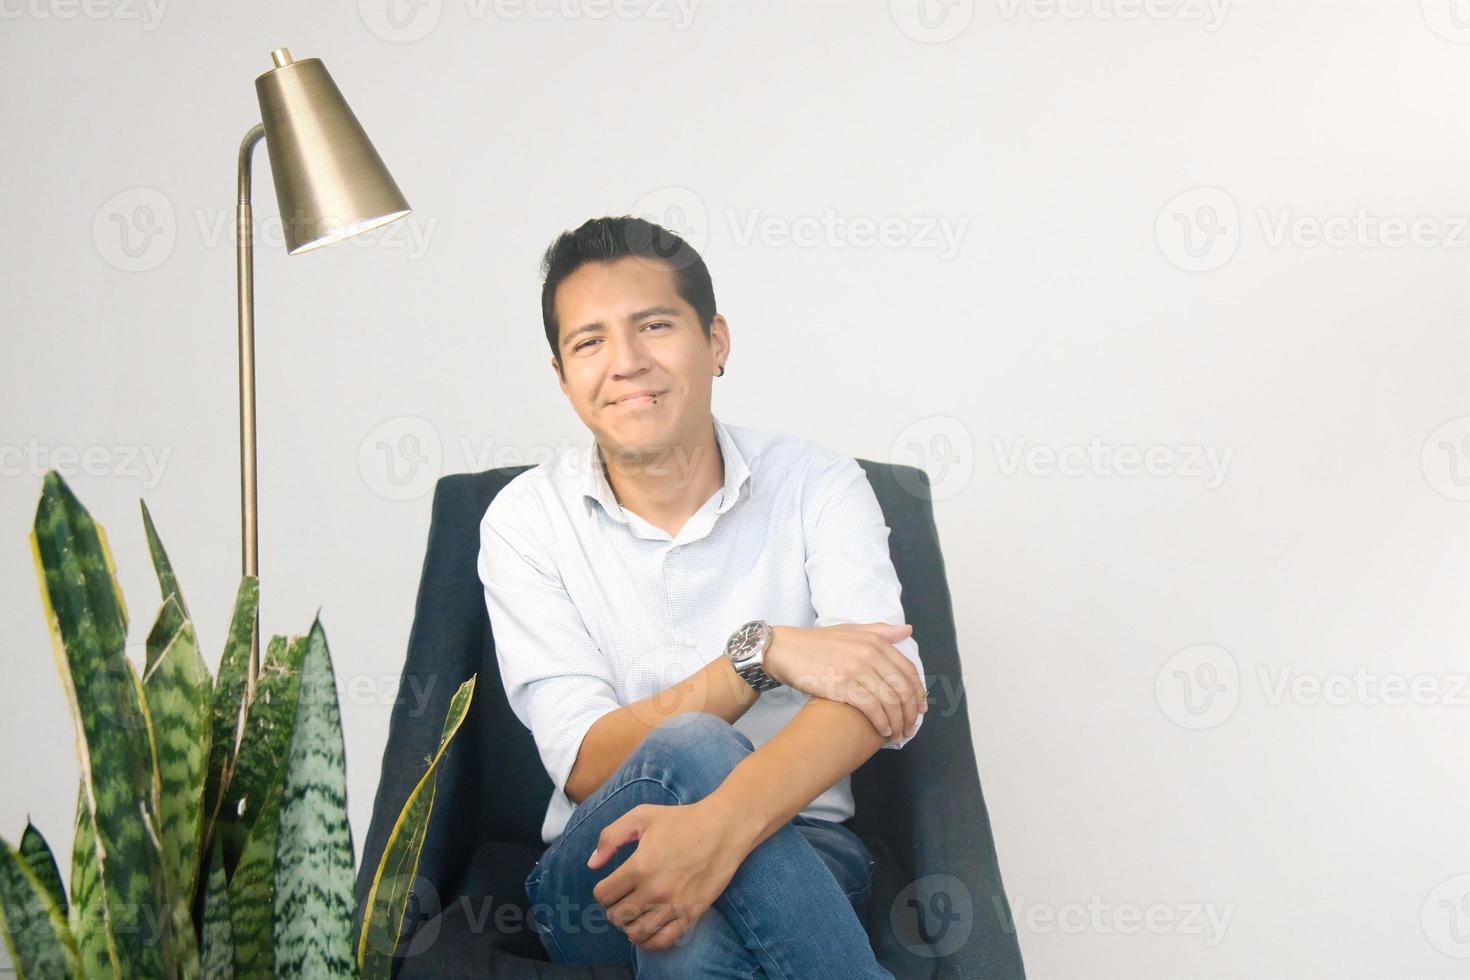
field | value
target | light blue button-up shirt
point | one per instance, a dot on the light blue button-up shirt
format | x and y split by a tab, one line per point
592	607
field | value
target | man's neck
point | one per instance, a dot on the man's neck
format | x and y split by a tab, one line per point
667	487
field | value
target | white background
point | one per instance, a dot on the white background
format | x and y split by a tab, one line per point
1068	146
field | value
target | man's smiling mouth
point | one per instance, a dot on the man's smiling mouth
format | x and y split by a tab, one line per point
645	399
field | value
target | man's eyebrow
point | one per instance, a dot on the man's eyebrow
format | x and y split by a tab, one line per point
632	318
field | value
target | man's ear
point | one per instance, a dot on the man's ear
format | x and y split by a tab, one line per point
560	376
719	335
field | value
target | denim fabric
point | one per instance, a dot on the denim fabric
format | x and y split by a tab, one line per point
794	910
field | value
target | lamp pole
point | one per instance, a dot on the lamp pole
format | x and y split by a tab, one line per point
245	293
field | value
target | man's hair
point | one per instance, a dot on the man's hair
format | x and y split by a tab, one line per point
608	239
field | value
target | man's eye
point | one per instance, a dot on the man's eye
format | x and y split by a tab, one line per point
660	323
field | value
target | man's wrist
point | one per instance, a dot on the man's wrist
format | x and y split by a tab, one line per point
740	826
769	662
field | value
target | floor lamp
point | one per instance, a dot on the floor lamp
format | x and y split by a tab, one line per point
330	184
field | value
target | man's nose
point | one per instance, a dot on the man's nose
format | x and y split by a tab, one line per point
628	356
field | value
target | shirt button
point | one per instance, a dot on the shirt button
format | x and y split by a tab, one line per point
689	642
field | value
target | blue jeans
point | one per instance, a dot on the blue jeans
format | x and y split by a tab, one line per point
794	909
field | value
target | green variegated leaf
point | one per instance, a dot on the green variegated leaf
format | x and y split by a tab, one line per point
168	583
268	722
37	854
178	693
33	927
170	618
217	952
229	701
251	894
174	929
397	872
85	916
313	873
88	623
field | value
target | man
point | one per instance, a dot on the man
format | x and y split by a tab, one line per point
700	624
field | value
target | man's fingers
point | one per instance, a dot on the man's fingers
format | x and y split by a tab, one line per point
887	713
911	689
905	697
669	933
622	831
628	915
862	698
649	923
613	889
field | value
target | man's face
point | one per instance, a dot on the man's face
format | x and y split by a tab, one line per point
624	329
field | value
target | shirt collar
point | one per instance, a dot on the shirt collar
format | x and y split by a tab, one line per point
595	487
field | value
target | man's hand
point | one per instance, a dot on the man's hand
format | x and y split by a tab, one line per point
855	663
686	855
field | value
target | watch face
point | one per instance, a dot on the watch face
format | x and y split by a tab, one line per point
748	640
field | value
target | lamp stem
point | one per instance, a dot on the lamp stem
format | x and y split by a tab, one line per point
245	293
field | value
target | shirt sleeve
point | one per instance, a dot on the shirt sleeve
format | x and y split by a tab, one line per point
557	681
848	565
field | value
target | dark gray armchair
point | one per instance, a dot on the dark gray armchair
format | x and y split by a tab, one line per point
938	906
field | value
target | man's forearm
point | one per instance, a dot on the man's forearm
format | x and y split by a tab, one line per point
714	688
825	741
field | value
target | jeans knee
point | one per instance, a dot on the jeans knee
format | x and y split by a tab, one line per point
699	749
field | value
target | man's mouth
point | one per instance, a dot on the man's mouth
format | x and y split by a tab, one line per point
633	400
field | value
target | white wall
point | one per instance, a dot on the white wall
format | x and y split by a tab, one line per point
1329	546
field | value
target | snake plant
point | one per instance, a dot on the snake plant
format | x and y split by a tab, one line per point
211	837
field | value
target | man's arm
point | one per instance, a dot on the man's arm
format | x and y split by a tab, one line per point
824	742
714	688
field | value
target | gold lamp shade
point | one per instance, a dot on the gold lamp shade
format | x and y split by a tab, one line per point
330	182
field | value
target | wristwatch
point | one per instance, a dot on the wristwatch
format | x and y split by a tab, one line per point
747	648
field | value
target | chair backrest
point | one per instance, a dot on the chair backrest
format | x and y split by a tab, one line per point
921	805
